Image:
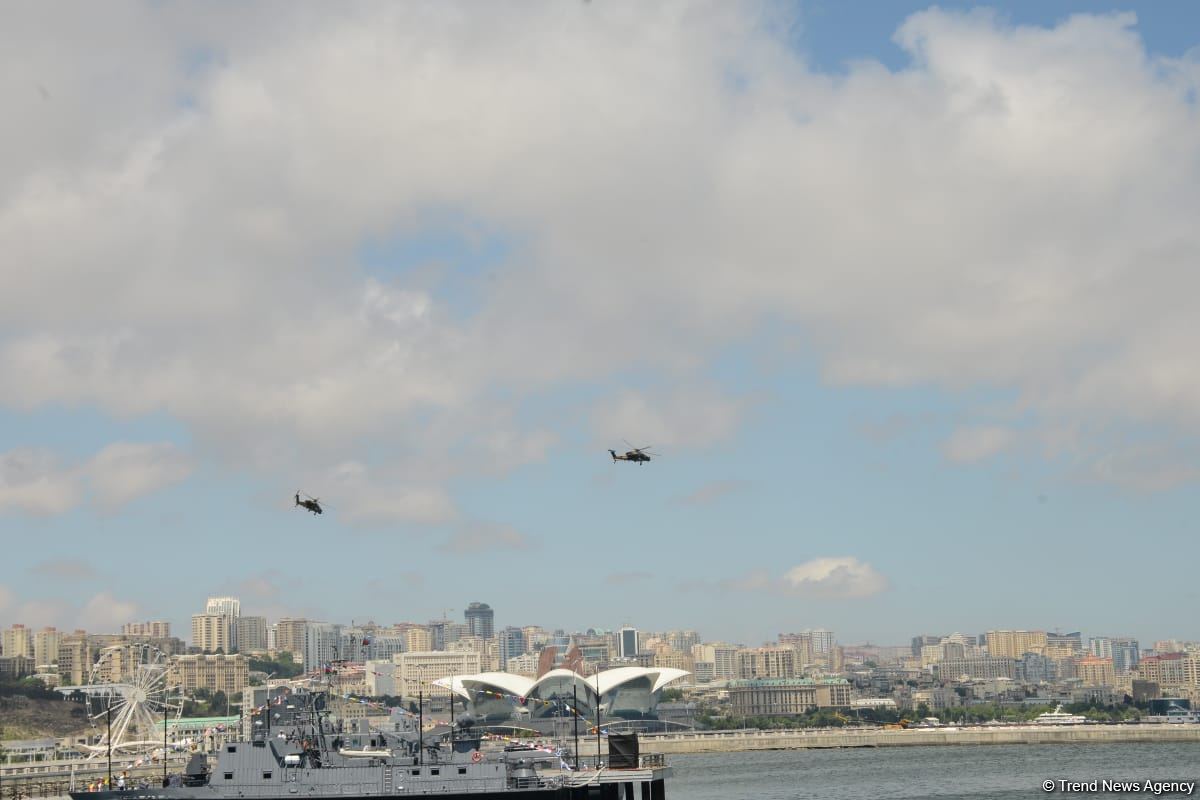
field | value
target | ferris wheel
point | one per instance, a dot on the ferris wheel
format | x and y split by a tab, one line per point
129	697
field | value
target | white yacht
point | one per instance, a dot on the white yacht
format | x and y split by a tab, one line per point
1059	717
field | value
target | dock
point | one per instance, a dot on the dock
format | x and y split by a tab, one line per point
804	739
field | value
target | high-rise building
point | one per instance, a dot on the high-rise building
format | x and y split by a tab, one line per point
455	631
382	646
437	633
512	644
1014	644
722	656
595	647
525	664
229	606
289	637
74	658
1168	669
627	642
250	634
669	657
800	642
1095	671
1123	650
822	641
977	668
157	629
683	640
417	639
212	632
1037	668
217	673
480	620
488	650
416	672
923	641
766	662
322	642
45	647
535	636
1064	645
16	641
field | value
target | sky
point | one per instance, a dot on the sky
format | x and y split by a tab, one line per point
903	296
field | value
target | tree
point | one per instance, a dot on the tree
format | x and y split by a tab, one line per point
282	666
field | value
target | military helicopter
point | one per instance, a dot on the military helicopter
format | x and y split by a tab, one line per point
313	504
636	454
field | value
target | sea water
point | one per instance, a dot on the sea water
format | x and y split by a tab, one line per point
980	772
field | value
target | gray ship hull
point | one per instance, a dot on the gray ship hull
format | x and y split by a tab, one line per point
653	790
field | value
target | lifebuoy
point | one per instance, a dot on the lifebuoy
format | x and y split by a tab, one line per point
476	756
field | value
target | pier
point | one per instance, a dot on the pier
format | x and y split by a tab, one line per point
741	740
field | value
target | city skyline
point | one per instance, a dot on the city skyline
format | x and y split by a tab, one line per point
625	636
901	295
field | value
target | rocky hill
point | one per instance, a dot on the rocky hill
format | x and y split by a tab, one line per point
29	718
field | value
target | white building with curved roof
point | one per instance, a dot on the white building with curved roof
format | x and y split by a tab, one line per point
625	692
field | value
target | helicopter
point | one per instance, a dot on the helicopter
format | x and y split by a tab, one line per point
636	454
313	504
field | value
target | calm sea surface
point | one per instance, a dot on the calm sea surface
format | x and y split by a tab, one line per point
980	773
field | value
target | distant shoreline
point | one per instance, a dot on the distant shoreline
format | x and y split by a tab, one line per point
739	741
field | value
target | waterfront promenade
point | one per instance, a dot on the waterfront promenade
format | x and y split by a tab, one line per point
734	741
51	779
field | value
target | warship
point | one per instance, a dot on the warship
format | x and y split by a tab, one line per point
300	752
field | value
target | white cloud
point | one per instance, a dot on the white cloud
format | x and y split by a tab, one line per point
33	482
977	443
1145	467
483	537
628	578
104	612
125	471
101	613
843	577
363	496
712	492
693	416
965	222
65	569
40	613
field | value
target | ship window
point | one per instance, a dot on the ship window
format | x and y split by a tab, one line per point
462	770
228	776
266	776
435	772
416	772
231	749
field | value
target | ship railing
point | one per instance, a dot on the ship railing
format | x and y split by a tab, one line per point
20	789
645	761
526	783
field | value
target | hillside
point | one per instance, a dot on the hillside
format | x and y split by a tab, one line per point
28	718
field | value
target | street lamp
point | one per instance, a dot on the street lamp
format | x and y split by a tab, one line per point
575	713
597	718
420	714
